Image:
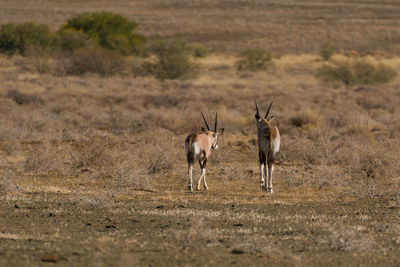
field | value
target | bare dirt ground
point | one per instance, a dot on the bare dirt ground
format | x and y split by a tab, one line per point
93	170
174	227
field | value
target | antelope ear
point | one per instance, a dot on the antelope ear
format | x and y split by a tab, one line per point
222	130
271	116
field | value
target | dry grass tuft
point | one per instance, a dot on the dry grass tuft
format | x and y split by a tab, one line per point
344	238
8	184
194	230
23	99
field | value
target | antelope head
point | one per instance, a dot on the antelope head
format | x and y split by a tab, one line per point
213	133
264	122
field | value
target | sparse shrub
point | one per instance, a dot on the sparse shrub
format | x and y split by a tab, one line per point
341	72
370	74
199	50
125	177
253	60
71	39
173	61
45	157
369	165
326	51
159	164
91	156
304	118
357	72
41	63
113	31
20	37
95	60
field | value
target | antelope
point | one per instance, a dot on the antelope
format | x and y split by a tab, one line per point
268	145
198	146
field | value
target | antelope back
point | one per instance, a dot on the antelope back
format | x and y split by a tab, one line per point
268	136
204	140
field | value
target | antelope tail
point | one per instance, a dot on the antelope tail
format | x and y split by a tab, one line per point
188	144
189	149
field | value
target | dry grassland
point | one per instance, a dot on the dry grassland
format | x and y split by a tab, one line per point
233	25
93	170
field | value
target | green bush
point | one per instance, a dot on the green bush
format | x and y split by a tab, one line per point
18	38
326	51
199	50
253	60
113	31
95	60
357	72
173	60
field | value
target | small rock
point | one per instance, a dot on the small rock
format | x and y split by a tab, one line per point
237	251
49	258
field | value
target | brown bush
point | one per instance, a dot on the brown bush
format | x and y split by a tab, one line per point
95	60
304	118
369	161
36	63
45	157
360	71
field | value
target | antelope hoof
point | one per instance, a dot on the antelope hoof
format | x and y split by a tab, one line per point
198	187
270	190
205	187
190	187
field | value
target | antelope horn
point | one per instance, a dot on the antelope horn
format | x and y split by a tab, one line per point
257	108
215	125
266	114
208	127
